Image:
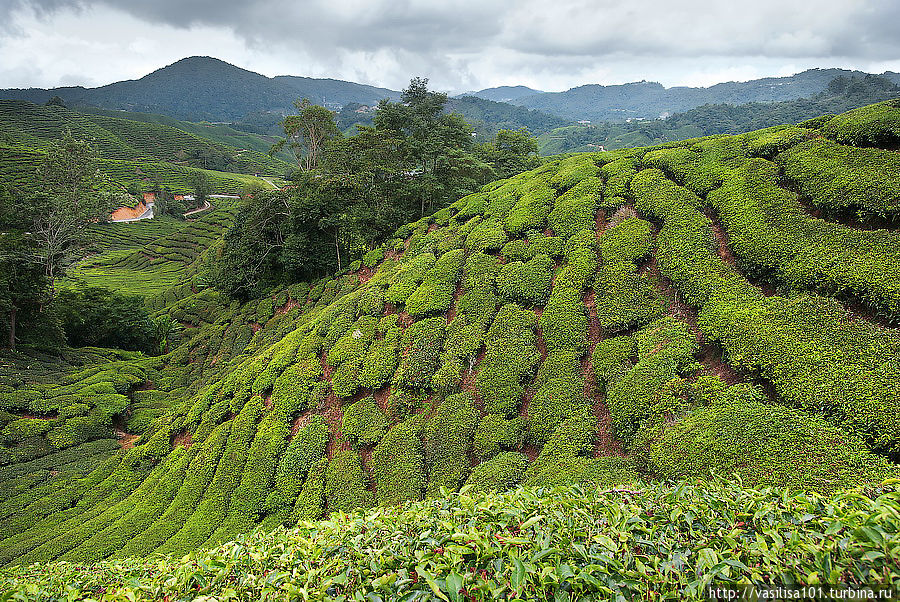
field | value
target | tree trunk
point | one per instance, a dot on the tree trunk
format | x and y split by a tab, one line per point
12	328
337	248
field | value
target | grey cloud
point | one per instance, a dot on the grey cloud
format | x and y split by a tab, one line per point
460	44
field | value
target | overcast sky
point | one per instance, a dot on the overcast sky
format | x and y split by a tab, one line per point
462	45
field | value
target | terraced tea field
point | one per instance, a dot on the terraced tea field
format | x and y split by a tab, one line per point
631	323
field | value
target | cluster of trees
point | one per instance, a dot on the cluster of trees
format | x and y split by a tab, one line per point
352	191
40	237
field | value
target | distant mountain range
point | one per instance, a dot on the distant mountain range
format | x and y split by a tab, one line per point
504	93
650	100
208	89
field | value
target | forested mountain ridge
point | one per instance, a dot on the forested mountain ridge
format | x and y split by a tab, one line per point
626	323
840	95
650	100
207	89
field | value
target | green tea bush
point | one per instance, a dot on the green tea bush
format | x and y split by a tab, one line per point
665	349
398	465
363	422
510	358
501	473
411	274
382	358
447	439
611	360
422	344
836	178
435	294
488	235
767	445
528	282
616	177
874	125
559	395
495	432
575	210
345	483
305	450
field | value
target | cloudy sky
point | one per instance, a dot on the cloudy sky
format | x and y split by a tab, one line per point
461	45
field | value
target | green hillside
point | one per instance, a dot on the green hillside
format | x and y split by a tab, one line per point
216	132
633	373
133	154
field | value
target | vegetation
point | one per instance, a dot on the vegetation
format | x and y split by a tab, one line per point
613	334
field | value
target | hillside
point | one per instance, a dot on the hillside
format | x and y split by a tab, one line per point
650	100
841	94
207	89
132	153
215	132
638	320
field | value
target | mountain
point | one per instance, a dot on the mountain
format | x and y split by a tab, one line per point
650	100
504	93
528	394
208	89
841	94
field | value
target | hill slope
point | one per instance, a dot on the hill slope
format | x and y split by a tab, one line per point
131	152
722	304
207	89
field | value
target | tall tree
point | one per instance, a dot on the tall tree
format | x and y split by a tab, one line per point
437	146
70	200
307	133
511	152
23	284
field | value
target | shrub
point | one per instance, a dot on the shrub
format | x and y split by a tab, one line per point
767	445
448	437
495	432
435	294
411	274
397	464
576	209
874	125
559	395
364	423
422	342
305	450
345	483
528	282
488	235
837	178
382	358
510	357
500	473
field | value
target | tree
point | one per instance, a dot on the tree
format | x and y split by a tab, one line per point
511	152
70	200
307	133
97	317
202	187
23	283
436	146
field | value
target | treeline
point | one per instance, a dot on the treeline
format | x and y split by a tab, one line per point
350	192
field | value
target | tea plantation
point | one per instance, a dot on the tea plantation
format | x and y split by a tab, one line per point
131	153
622	375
